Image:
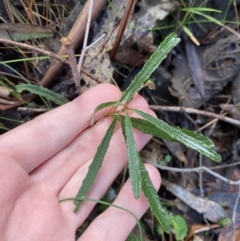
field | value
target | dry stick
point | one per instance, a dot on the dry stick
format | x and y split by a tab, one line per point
33	48
215	123
73	62
84	49
210	123
96	41
47	53
225	165
32	110
9	102
122	26
197	169
195	111
76	35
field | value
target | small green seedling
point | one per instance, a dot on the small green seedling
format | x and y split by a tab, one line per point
148	124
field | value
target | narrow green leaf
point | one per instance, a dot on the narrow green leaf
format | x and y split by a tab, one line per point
190	139
133	160
148	128
94	166
43	92
197	136
200	9
150	66
107	104
155	205
102	106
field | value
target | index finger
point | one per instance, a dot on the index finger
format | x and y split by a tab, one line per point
36	141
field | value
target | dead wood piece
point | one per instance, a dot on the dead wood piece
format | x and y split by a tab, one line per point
76	35
72	61
195	111
35	49
210	209
123	24
232	110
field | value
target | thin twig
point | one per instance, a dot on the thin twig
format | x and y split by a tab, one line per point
73	62
34	49
225	166
195	111
84	49
76	35
47	53
9	102
122	26
32	110
197	169
96	41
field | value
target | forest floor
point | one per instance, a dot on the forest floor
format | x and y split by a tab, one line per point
197	87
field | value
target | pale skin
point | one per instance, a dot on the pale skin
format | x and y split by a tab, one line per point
45	160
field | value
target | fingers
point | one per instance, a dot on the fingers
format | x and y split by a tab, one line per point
38	140
114	162
116	224
57	171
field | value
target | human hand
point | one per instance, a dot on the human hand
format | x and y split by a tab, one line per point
46	160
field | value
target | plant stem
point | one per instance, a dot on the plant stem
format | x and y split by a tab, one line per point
73	62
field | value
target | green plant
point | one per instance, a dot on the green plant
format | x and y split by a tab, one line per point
165	161
198	15
42	92
140	180
178	227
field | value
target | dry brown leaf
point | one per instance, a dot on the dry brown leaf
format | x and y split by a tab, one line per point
152	152
220	63
210	209
144	20
198	229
